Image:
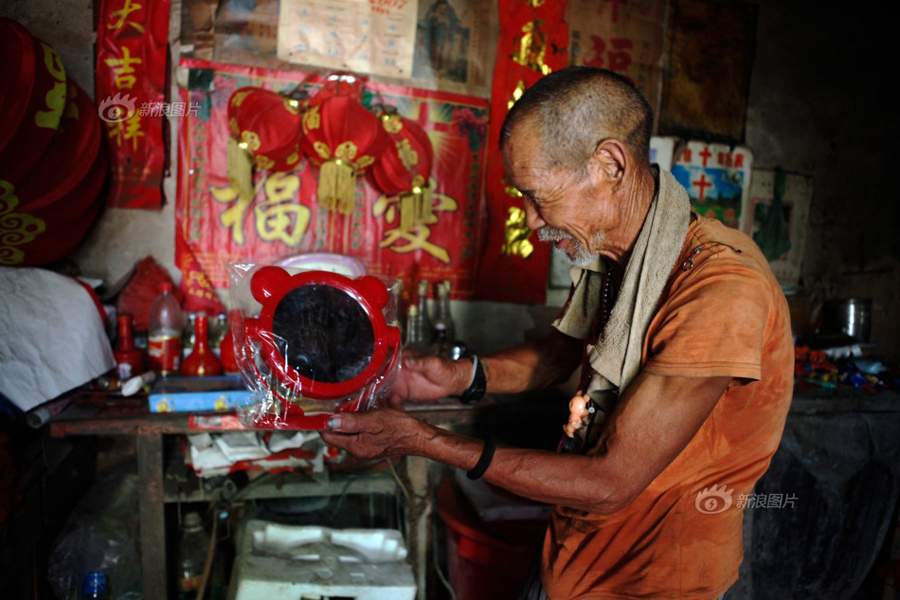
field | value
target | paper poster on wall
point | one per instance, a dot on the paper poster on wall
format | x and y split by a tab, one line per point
283	218
778	215
366	36
709	59
717	179
662	151
455	44
625	37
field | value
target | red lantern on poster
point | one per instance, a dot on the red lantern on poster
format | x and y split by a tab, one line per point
265	134
404	169
342	138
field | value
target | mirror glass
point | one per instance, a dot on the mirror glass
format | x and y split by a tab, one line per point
328	335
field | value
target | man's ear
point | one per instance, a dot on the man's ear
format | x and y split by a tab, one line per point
611	157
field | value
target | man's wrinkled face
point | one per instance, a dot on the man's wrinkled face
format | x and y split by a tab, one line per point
565	206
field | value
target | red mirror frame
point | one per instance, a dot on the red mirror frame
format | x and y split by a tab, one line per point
269	286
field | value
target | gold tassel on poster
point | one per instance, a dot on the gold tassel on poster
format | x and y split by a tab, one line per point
240	170
337	186
424	198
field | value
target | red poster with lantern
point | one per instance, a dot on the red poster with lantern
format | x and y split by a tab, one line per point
130	94
532	42
414	196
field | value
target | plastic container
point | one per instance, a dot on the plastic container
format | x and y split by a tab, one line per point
165	323
95	586
483	563
193	547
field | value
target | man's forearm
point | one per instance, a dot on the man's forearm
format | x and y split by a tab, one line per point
532	365
539	475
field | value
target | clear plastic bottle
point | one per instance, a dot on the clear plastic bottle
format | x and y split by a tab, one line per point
164	332
192	550
95	586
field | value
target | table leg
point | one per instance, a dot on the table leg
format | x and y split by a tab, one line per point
152	513
419	519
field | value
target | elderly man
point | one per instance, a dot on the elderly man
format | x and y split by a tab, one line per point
684	340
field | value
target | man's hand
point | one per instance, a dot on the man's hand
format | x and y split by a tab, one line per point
427	377
380	433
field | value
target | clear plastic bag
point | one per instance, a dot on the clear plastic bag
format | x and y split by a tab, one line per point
101	534
310	343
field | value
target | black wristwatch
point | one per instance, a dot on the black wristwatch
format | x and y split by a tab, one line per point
477	388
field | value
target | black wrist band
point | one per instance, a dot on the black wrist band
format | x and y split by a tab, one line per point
487	455
477	388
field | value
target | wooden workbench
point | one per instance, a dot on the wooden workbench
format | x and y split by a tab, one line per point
109	415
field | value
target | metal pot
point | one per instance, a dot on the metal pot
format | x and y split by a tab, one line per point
851	316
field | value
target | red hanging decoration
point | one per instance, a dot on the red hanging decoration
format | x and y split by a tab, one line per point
404	169
265	132
343	138
533	41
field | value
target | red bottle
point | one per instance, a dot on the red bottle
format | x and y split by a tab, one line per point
202	361
226	348
164	332
130	361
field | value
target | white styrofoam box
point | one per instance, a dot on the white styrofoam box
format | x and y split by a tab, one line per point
284	561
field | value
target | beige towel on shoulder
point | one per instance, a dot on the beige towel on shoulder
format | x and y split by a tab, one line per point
617	355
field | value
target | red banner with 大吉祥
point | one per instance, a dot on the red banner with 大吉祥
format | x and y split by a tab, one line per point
130	76
215	225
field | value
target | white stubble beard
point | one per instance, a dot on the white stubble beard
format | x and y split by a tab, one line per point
582	257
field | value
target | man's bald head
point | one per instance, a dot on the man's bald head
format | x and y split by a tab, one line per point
574	109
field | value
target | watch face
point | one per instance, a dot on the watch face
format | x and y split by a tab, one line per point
328	336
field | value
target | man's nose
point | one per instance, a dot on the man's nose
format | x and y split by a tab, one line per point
532	218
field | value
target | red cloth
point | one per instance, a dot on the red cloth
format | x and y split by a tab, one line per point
142	289
199	294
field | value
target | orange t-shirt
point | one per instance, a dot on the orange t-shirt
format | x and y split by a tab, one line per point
681	537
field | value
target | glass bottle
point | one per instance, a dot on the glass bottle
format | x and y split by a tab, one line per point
226	348
218	329
202	361
188	334
444	331
414	329
193	547
422	308
130	361
164	332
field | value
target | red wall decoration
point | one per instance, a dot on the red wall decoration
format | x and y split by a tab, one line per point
130	95
216	225
532	42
